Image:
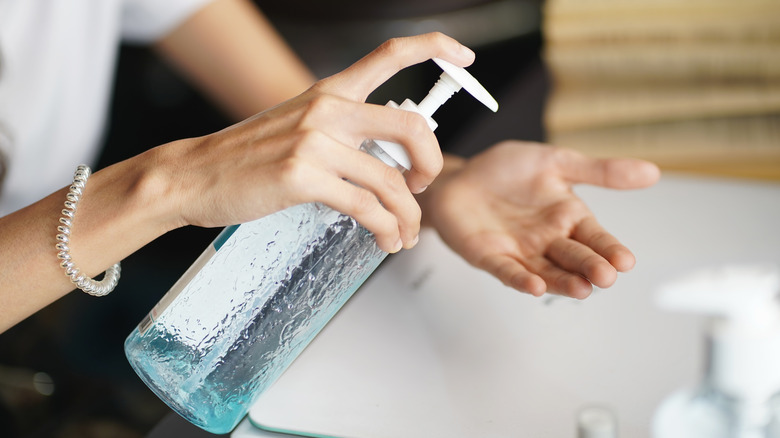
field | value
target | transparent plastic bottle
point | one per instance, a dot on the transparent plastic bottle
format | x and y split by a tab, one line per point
739	392
258	295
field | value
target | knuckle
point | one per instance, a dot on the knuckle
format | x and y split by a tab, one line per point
437	165
557	158
565	215
394	180
591	265
319	87
300	144
293	173
560	154
391	47
601	239
439	37
505	272
319	106
536	242
398	194
307	139
416	129
417	213
559	218
363	202
412	215
414	124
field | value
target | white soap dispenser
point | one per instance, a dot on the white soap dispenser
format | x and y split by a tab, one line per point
450	82
260	293
737	398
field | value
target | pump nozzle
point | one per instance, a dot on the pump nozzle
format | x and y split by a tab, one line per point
744	333
740	294
460	76
450	82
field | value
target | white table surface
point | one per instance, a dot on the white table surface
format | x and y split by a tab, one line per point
431	347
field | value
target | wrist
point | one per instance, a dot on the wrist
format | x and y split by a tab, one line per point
452	165
154	182
124	207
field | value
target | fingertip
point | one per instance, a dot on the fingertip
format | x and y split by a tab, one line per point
389	244
420	190
623	261
581	292
397	246
578	288
631	173
452	50
529	284
645	173
582	295
652	172
466	55
417	182
605	277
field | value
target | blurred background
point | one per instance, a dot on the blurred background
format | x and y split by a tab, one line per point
691	84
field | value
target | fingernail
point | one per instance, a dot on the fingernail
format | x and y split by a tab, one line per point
398	245
420	190
413	242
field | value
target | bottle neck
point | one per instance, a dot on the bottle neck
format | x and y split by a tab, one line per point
444	88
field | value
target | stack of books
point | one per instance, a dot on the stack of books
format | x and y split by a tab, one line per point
693	85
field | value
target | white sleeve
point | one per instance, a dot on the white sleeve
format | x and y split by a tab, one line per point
146	21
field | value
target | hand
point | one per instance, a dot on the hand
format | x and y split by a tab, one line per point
305	149
511	211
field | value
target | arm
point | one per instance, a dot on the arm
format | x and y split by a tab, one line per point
300	151
119	206
244	66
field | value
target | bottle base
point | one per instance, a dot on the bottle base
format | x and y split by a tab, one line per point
210	422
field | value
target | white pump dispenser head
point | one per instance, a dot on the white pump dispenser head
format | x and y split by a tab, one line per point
744	360
451	81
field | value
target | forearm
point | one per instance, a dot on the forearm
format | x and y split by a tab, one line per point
121	210
232	53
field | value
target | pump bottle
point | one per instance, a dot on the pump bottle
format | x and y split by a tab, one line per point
737	398
255	298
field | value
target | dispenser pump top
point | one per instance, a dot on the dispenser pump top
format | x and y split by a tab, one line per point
744	330
740	295
450	82
457	78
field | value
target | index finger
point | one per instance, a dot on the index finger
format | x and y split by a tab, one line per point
361	78
614	173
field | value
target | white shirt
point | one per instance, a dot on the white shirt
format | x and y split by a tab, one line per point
57	60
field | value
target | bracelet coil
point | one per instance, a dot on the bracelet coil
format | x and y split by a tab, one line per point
81	281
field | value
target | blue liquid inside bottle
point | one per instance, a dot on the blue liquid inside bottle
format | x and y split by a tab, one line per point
247	308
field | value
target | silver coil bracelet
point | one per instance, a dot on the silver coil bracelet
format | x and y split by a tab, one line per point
83	282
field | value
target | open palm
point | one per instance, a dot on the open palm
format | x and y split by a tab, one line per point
512	212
